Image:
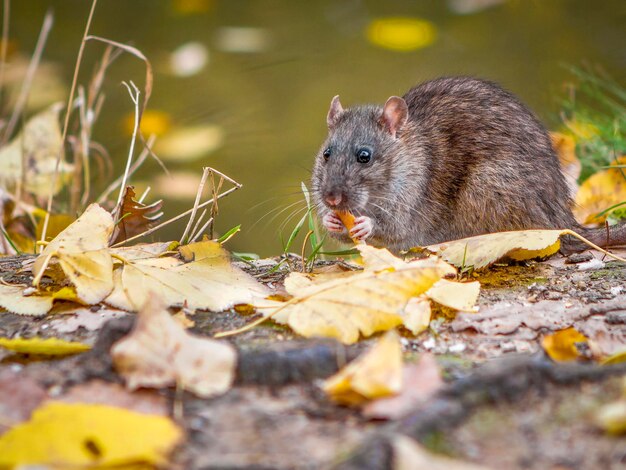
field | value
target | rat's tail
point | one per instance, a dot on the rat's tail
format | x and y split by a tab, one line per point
602	236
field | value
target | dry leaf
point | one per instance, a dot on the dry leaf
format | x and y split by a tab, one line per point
134	217
457	295
375	374
159	353
561	346
13	299
61	435
483	250
43	346
410	455
205	278
420	381
36	148
599	192
82	252
416	314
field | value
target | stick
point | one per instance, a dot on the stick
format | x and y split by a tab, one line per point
592	245
55	175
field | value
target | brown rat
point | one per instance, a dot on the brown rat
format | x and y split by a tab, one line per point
455	157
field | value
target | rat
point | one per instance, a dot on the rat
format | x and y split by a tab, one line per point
454	158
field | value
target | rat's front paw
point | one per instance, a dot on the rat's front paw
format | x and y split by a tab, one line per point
333	223
362	229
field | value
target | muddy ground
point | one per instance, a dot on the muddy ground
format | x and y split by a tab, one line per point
524	415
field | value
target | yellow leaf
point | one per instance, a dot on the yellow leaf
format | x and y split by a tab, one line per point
189	143
43	346
56	224
401	33
13	299
483	250
457	295
63	435
561	346
616	358
565	147
599	192
82	252
207	280
38	144
416	314
159	352
376	374
581	130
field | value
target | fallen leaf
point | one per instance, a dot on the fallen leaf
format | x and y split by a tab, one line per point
561	346
375	374
81	250
612	417
43	346
457	295
616	358
599	192
56	224
143	250
416	314
205	278
483	250
401	33
159	353
84	318
134	217
36	148
189	143
13	299
410	455
65	435
421	380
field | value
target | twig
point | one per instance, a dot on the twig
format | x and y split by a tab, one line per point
178	217
592	245
55	175
142	157
194	232
5	42
135	99
30	74
205	174
145	193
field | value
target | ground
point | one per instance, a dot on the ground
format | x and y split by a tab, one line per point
264	422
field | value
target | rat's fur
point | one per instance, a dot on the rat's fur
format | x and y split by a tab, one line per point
470	159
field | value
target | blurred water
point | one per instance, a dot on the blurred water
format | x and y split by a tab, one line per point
264	71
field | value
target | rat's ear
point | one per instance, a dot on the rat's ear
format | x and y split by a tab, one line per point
334	112
394	116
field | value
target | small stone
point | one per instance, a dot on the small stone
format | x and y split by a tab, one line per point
591	265
457	348
507	346
429	343
578	258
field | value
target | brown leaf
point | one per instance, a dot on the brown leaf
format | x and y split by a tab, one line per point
134	217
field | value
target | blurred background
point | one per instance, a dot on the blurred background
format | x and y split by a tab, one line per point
244	86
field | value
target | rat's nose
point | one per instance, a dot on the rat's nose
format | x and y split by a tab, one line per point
333	198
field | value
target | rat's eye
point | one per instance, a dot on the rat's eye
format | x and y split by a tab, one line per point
326	154
363	155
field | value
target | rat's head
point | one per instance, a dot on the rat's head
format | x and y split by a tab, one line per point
357	158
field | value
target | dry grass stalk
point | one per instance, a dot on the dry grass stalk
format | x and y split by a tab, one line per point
134	96
205	174
67	120
6	12
30	74
235	187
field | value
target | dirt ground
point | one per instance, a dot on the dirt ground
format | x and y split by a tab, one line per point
269	420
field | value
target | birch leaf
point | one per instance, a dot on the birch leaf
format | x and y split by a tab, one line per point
561	346
13	299
483	250
416	314
62	435
81	250
599	192
376	374
457	295
159	352
43	346
205	278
